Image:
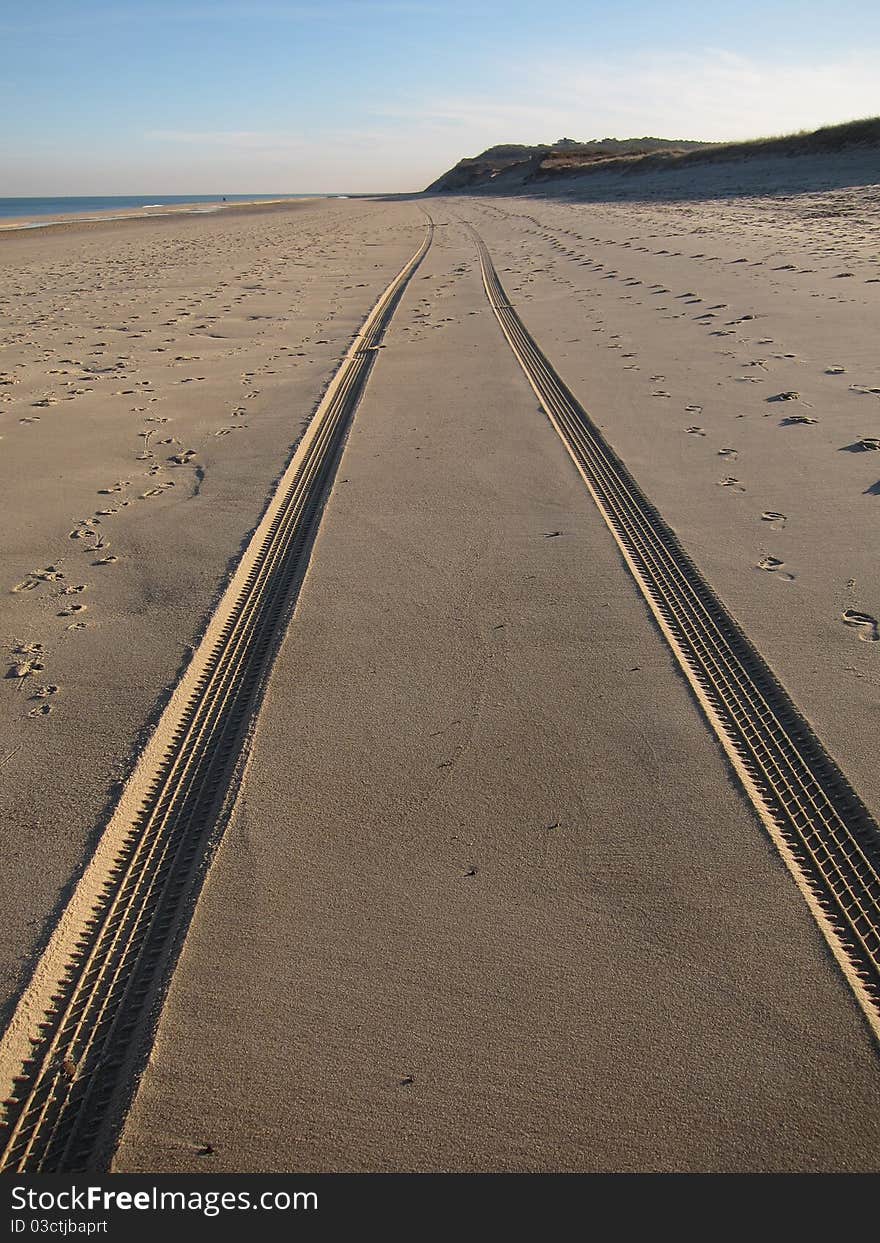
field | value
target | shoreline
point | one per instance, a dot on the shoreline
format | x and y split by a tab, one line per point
24	224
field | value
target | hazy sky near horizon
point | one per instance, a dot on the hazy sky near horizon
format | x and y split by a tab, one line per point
247	96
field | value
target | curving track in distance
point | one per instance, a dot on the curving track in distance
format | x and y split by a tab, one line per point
70	1057
826	836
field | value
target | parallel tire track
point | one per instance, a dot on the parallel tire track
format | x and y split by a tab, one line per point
826	836
71	1052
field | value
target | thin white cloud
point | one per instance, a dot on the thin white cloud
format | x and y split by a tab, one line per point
714	94
720	95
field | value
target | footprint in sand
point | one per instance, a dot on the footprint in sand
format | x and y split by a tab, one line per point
72	610
695	431
181	459
865	444
108	560
835	370
119	486
773	566
30	661
866	625
43	692
728	453
730	481
776	520
49	574
794	419
790	395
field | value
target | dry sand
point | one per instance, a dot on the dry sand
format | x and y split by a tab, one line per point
682	327
489	899
215	335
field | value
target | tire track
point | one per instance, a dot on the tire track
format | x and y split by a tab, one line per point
826	836
70	1056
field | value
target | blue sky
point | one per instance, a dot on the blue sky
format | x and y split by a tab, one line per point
192	96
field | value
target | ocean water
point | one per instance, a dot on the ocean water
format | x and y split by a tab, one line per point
39	210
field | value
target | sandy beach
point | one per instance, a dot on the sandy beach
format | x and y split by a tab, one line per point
490	895
131	345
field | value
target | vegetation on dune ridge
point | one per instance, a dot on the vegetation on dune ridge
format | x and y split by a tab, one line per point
829	139
591	146
508	163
